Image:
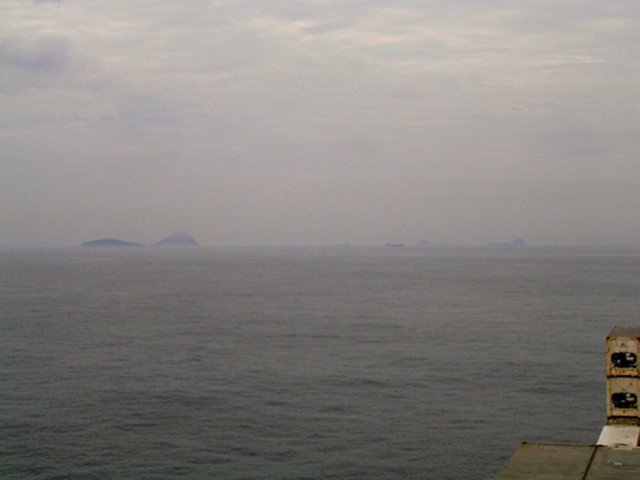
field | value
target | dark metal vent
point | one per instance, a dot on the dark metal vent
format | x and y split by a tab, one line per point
624	400
624	360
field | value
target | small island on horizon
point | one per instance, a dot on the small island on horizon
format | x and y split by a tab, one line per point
111	242
177	239
516	242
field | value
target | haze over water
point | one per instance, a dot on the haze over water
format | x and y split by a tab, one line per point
320	122
301	363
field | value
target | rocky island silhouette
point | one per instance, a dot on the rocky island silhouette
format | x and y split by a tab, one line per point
176	239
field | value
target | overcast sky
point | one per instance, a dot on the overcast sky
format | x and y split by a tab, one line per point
319	121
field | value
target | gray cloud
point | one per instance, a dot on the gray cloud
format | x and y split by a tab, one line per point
46	54
320	121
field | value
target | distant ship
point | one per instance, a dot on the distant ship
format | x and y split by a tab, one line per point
516	242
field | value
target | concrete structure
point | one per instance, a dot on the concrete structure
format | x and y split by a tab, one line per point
616	455
572	462
623	376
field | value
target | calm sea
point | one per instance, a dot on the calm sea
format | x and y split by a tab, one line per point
328	363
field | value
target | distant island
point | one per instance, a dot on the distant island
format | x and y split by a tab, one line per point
177	239
111	242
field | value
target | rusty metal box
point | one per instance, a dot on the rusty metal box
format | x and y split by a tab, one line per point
623	395
623	351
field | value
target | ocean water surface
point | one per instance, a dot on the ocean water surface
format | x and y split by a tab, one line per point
309	363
